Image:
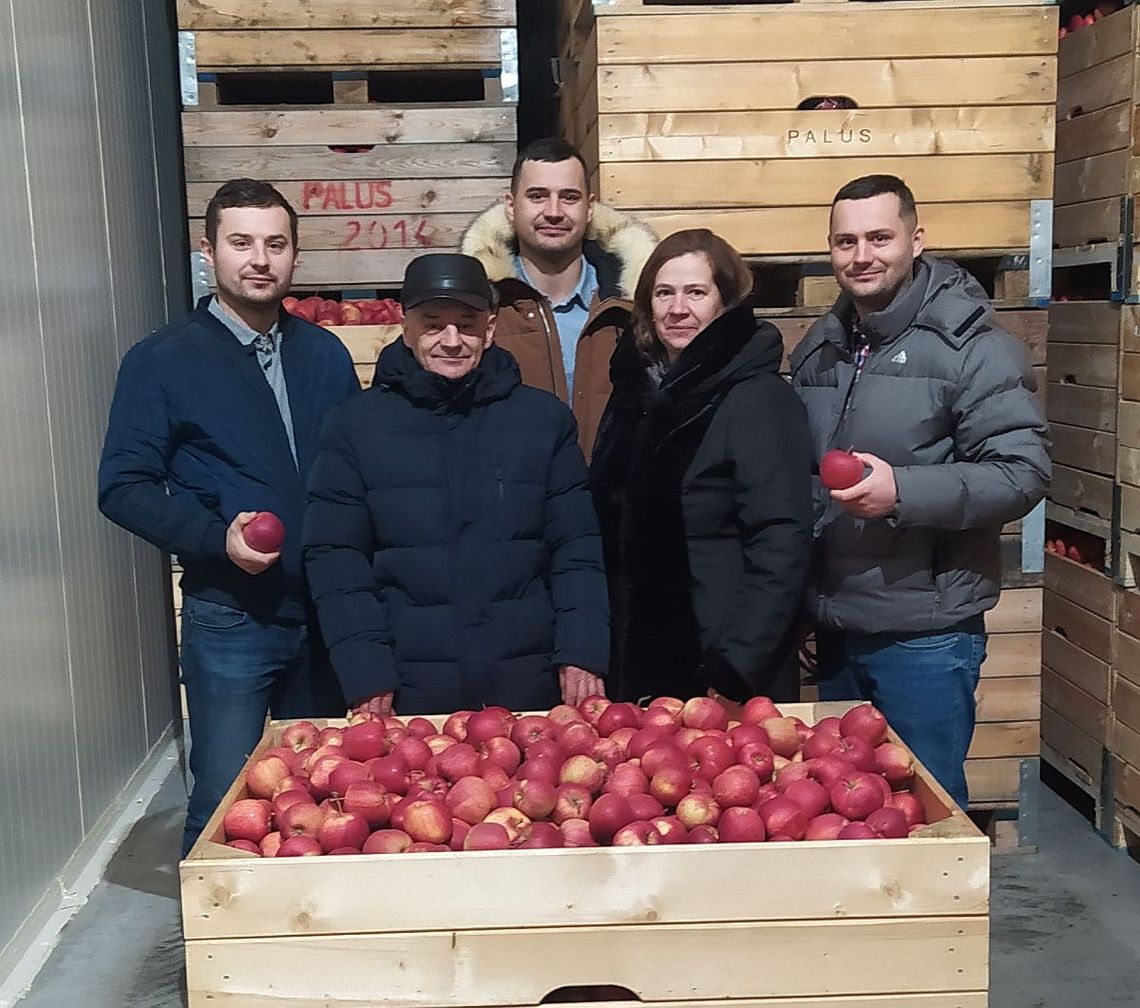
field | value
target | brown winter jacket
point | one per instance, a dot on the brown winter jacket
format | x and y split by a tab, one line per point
616	246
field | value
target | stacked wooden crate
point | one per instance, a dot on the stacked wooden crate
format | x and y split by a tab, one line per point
387	126
1124	735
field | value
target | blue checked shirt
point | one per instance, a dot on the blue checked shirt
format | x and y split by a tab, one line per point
268	349
570	315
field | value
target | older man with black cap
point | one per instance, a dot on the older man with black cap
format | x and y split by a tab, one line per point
450	540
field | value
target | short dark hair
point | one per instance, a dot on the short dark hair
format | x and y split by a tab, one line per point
730	272
246	192
551	150
878	185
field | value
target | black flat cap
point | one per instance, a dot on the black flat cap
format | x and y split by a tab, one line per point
446	275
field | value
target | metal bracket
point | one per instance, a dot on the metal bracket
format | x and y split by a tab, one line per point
1028	802
1033	540
188	67
1124	252
509	60
199	276
1041	251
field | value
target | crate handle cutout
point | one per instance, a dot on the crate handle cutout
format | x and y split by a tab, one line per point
592	992
351	148
821	103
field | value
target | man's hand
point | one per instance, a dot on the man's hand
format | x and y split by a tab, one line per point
380	704
249	560
875	495
577	684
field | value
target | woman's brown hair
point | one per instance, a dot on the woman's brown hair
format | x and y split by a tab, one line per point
731	275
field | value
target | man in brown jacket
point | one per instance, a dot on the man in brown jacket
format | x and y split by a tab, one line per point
559	260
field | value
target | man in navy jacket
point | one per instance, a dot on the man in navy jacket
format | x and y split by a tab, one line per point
450	538
215	418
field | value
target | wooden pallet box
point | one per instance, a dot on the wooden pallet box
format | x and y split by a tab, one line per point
697	116
1096	176
364	344
1124	745
1077	654
673	925
383	125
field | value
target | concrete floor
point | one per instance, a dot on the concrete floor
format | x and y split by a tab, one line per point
1065	923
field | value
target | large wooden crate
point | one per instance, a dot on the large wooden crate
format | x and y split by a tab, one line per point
725	925
691	115
1096	180
1124	743
386	126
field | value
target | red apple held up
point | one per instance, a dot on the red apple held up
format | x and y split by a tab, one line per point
839	470
264	532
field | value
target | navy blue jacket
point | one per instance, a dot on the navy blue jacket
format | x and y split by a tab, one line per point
195	436
451	543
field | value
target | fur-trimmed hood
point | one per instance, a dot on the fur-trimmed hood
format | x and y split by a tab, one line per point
491	239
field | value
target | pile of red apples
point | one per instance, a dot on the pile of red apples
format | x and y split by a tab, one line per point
600	774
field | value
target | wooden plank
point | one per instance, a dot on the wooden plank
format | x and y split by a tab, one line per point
1127	663
841	32
1030	327
1075	705
1093	178
1126	702
1128	420
1130	376
803	230
338	268
331	124
197	14
1105	40
364	343
1087	630
216	164
1060	736
1082	491
1126	743
1085	322
1086	223
918	83
1127	792
355	196
1016	698
1083	136
1082	364
1100	86
689	136
1017	610
1129	507
1128	465
1005	738
1082	406
994	780
1080	448
336	49
370	231
1077	666
796	182
1012	654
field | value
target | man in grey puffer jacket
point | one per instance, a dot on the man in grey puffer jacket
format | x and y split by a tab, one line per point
911	370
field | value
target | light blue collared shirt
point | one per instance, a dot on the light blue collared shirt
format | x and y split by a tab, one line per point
571	314
268	348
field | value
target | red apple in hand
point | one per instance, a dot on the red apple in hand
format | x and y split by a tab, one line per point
839	470
264	532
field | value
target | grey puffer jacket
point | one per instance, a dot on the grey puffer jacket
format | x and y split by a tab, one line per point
946	397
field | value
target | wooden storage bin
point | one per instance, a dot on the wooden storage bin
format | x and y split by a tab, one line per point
1096	179
364	344
1084	372
1124	745
380	172
1076	668
689	115
675	926
1128	443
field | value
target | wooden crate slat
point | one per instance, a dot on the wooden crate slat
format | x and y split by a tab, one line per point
1005	738
1088	631
1082	364
336	49
1130	376
364	343
1083	491
803	230
1012	654
1129	507
1107	129
1127	662
1085	322
1127	792
370	231
1017	610
1081	448
1100	86
485	967
1078	584
1092	178
1082	406
1105	40
1077	750
1126	743
371	195
339	268
344	14
1075	705
689	136
411	161
1126	701
1078	666
291	127
838	32
796	182
994	780
1085	223
1015	698
921	83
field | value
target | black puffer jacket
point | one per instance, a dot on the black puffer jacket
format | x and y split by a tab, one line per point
946	397
450	541
703	487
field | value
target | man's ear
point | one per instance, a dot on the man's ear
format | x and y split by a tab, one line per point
491	320
591	202
509	207
919	241
207	250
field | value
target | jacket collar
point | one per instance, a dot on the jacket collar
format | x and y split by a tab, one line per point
495	378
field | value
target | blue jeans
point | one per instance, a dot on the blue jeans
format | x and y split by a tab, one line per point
923	683
236	669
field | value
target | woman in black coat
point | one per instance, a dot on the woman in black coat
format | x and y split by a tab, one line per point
701	476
